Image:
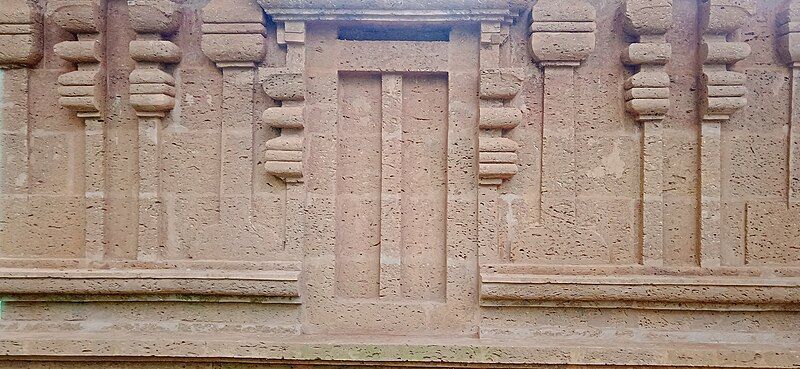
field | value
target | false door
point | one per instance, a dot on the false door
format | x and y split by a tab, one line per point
391	127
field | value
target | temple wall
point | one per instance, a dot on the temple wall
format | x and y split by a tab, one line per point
225	184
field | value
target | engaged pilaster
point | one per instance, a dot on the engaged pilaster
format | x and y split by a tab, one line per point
647	99
284	154
497	156
83	91
20	50
722	94
789	48
153	97
562	36
233	38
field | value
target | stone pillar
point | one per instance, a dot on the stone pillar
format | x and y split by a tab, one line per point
20	49
153	97
83	91
722	93
284	154
562	36
647	100
233	38
497	156
789	48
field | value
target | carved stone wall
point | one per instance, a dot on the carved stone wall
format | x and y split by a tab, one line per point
496	183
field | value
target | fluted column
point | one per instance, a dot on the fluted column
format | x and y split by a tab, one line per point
152	95
647	99
83	91
497	155
722	93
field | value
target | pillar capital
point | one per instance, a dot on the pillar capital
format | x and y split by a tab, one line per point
152	88
82	90
154	16
647	92
788	24
723	89
233	33
20	34
562	32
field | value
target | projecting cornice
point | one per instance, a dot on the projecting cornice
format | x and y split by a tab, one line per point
385	11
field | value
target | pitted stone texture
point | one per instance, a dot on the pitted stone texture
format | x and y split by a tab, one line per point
562	31
20	33
233	31
449	183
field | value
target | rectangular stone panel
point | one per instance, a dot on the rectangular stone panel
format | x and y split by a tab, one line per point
424	187
772	234
392	186
358	185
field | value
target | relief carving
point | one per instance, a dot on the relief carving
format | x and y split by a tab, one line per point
647	97
788	43
234	39
399	183
722	93
152	91
20	33
497	155
20	52
283	157
83	91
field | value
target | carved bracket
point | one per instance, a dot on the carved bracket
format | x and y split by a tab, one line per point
284	155
498	86
647	92
723	90
153	89
81	90
233	33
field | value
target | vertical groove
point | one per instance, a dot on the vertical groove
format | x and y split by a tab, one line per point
794	136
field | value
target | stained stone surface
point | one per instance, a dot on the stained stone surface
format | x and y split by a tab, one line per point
236	184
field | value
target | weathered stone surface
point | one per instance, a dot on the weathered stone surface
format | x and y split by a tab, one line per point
20	33
219	184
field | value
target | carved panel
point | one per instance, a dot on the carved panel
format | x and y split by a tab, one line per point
476	183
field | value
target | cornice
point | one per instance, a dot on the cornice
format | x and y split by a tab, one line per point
401	15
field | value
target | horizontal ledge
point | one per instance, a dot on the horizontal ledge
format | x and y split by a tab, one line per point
148	285
449	351
194	264
406	15
523	288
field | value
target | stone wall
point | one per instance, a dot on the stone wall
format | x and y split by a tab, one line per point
459	183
